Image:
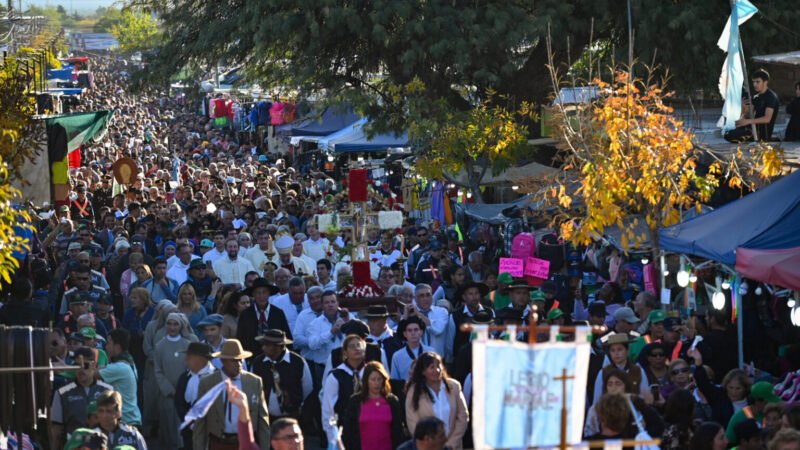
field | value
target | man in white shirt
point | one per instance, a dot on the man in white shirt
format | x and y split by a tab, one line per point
178	270
324	275
325	331
316	246
259	254
286	260
435	318
232	269
297	252
386	254
293	302
301	330
218	251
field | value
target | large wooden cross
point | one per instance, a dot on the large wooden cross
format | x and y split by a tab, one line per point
563	379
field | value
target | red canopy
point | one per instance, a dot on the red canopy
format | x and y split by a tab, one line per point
778	266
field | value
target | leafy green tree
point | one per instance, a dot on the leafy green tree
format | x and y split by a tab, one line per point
106	19
370	52
136	31
17	136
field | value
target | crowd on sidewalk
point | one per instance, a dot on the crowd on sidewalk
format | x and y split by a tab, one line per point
210	268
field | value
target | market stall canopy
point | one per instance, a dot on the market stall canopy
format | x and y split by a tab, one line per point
768	219
354	138
780	267
512	175
331	121
492	213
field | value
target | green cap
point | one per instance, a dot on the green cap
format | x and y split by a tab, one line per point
763	391
88	333
554	314
505	278
124	446
91	408
656	316
538	296
84	437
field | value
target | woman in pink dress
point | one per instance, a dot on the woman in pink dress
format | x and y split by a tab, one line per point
374	418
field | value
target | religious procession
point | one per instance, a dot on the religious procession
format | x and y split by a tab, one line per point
373	227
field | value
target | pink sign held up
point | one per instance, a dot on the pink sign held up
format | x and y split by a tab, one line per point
513	266
538	268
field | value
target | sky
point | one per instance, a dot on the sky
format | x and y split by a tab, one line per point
81	6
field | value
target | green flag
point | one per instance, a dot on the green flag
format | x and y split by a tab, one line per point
68	132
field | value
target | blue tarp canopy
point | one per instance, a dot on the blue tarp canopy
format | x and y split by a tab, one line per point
354	139
766	219
65	73
331	121
67	91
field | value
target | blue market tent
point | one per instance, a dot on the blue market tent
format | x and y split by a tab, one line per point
768	219
64	73
354	139
331	121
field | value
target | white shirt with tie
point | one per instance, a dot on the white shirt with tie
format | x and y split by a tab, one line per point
231	410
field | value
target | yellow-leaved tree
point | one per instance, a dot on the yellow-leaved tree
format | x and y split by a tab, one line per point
628	159
468	145
16	142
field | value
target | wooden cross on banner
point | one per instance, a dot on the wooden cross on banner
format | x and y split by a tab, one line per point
563	379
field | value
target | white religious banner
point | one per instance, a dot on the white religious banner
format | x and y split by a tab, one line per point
517	394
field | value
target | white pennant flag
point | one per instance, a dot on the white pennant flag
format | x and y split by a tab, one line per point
201	407
731	79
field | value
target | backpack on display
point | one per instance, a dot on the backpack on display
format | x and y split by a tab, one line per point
523	245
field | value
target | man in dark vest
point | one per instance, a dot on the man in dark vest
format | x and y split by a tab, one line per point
255	321
198	366
284	374
373	351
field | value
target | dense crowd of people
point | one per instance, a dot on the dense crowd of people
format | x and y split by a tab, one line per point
210	268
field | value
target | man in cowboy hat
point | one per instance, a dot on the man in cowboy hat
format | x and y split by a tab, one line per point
468	297
261	316
286	260
285	375
198	365
218	429
380	333
519	297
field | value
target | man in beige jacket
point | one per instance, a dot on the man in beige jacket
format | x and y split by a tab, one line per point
218	429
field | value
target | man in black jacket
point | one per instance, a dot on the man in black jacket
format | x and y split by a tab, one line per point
255	321
198	363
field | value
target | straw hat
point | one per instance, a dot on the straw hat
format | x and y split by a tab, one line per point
232	349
